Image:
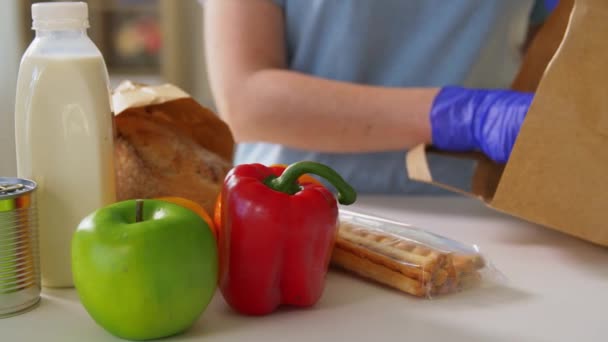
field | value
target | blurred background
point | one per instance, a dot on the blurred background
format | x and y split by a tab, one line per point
148	41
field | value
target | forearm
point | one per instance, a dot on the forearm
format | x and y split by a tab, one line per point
302	111
263	101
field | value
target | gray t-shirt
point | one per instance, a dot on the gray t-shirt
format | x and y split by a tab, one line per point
398	43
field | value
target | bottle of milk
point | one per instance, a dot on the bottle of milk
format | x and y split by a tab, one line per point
63	124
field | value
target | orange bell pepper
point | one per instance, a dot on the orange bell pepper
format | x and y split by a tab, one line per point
189	204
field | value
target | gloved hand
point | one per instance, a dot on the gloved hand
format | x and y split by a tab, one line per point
477	119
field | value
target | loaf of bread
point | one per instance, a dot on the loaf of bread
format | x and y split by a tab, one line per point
173	148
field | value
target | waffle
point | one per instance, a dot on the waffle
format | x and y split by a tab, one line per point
404	264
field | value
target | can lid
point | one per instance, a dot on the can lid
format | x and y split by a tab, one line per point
11	187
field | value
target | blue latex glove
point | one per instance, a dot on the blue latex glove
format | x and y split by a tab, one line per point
477	119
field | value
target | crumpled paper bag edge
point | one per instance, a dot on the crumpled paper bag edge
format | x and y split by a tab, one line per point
130	95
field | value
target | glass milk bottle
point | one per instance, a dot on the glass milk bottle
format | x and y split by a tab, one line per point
63	124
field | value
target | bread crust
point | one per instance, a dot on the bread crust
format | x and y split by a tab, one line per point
177	148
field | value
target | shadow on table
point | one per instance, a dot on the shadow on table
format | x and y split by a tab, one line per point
63	294
435	205
493	291
413	323
486	296
579	254
344	328
341	291
347	293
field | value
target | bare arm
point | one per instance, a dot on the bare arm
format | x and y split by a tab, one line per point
263	101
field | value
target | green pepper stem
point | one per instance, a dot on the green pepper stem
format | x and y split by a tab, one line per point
287	182
139	210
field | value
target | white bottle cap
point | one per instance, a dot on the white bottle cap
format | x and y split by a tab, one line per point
60	15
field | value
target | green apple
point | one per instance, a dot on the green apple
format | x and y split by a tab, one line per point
144	269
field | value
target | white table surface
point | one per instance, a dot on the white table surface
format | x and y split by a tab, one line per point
557	291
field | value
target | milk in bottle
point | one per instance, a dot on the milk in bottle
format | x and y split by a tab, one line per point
63	124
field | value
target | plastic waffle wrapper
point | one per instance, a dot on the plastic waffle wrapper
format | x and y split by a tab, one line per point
409	259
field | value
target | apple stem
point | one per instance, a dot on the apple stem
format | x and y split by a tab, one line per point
139	210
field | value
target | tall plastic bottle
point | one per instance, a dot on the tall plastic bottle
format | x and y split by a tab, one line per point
63	128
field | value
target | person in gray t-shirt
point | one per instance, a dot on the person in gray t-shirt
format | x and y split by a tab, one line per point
354	83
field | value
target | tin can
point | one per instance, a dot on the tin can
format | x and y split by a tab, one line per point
19	251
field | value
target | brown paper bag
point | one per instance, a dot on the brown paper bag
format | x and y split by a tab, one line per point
557	175
168	145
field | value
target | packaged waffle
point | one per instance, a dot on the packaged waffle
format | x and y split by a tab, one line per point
406	258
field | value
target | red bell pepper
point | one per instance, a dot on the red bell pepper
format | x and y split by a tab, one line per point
277	235
277	169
